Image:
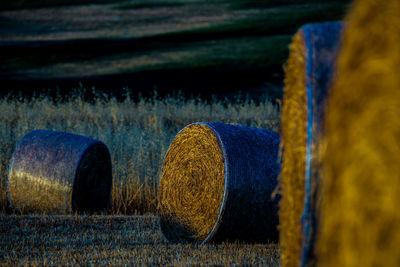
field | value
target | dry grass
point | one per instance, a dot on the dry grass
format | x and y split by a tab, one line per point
137	134
192	184
360	219
294	116
35	194
113	240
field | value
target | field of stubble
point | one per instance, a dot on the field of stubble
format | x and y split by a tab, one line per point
138	135
113	240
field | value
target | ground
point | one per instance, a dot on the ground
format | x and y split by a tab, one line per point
114	240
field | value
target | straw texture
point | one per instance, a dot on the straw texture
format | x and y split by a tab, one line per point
216	184
360	218
57	172
308	72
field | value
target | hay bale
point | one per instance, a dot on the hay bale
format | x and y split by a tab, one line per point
57	172
360	218
216	184
308	72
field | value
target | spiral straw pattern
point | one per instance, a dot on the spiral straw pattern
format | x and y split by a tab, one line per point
216	184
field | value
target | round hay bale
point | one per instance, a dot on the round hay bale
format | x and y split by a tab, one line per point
57	172
216	184
308	72
359	214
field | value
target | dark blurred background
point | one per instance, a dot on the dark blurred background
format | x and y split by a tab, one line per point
195	48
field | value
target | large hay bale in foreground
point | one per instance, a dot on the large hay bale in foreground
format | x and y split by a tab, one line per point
216	184
360	218
308	73
57	172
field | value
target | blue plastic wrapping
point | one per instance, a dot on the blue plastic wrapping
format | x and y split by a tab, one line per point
58	172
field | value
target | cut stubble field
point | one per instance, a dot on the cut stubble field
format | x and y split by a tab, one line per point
138	134
113	240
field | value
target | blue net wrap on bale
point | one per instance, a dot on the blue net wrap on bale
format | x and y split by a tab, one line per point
322	44
216	184
309	71
58	172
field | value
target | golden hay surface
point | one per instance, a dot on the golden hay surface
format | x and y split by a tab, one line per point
192	184
33	194
294	118
360	218
57	172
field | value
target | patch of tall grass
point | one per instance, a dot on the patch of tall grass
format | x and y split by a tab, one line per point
137	133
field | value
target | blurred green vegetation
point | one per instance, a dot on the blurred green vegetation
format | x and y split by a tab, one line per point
236	4
148	4
19	4
255	38
257	31
240	4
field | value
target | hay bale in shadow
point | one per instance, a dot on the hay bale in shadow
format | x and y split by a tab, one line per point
57	172
359	214
308	72
216	184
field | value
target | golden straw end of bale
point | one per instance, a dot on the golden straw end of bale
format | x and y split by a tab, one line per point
216	184
359	215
